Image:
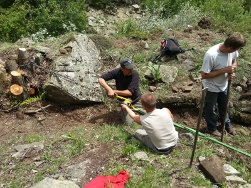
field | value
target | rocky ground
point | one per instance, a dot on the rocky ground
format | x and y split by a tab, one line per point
58	119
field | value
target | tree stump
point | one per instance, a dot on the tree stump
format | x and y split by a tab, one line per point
11	65
18	84
16	78
22	56
3	80
17	92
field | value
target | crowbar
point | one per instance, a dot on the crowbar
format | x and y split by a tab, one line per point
128	102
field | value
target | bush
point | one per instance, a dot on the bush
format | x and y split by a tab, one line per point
101	4
56	17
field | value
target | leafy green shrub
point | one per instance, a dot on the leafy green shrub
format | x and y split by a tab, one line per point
14	24
23	19
100	4
163	8
126	27
138	34
131	28
188	15
228	15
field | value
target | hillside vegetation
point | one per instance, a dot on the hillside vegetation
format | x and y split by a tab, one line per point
50	18
95	134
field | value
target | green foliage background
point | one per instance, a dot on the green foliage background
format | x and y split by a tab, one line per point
22	18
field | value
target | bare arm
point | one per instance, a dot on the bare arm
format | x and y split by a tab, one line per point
135	117
215	73
112	92
170	113
125	93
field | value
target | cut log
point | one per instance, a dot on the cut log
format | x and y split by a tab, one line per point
16	89
11	65
16	78
22	55
32	91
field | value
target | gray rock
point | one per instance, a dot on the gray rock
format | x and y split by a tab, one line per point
52	183
236	179
229	170
140	156
75	78
167	73
28	150
77	171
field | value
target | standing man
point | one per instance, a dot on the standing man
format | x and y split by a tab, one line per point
218	66
158	131
127	84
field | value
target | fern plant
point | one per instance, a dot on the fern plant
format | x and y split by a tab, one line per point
155	71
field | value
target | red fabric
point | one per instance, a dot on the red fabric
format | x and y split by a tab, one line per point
109	181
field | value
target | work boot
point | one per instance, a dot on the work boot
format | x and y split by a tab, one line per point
231	131
215	133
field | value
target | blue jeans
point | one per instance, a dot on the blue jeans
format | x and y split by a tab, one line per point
216	102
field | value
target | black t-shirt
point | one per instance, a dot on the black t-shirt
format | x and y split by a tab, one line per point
125	82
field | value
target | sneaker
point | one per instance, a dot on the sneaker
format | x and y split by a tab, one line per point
215	133
231	131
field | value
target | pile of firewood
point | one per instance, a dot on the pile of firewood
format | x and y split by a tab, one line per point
24	74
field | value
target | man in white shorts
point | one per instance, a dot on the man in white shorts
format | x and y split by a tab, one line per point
158	131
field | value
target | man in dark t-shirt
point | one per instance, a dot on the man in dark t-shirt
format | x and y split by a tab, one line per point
127	83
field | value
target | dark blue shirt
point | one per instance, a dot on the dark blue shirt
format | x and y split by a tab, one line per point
125	82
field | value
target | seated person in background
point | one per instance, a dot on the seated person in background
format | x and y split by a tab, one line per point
127	85
159	132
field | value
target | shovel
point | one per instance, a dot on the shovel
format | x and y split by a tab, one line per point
204	91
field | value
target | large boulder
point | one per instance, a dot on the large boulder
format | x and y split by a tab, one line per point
74	79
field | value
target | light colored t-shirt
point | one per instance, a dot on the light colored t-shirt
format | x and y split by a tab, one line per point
160	128
214	59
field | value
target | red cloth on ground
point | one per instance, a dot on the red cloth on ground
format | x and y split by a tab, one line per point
109	181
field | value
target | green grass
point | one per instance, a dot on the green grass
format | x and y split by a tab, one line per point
162	170
159	171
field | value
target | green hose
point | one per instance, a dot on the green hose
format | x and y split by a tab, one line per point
212	139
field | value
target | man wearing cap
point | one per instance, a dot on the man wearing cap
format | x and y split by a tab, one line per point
127	84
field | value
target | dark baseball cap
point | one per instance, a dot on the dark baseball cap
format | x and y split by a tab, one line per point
127	63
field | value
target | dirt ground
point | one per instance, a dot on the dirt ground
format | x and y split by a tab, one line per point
58	119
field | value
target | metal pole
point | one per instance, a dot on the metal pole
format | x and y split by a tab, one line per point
198	123
226	109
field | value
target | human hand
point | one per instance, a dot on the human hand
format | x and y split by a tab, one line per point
111	93
231	69
231	76
123	106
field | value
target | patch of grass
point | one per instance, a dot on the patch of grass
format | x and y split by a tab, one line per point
33	138
242	167
196	180
77	143
130	149
111	133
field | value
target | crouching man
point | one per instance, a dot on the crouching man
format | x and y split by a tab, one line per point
158	131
